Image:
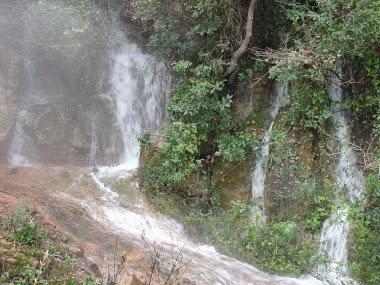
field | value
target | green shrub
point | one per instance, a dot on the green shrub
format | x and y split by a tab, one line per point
23	226
144	139
310	108
236	147
280	247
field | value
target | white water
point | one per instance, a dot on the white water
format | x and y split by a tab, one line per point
350	182
139	86
140	224
260	169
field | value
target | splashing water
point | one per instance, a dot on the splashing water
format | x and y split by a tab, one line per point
140	224
350	181
139	86
259	172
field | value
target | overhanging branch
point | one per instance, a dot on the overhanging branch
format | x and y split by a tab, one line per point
245	43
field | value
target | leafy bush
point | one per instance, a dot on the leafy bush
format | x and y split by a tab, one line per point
310	108
280	247
144	139
236	147
23	225
318	203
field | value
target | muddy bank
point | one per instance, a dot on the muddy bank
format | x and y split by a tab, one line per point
47	189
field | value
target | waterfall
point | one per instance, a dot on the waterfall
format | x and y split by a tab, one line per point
139	87
59	85
20	148
17	155
139	90
350	182
94	145
259	172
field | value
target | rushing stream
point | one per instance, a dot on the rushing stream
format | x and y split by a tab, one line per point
84	100
260	169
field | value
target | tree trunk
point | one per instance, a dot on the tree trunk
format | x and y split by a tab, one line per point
247	39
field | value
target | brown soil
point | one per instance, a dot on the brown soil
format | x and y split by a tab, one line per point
40	188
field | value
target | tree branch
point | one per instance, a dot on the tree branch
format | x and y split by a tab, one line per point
247	39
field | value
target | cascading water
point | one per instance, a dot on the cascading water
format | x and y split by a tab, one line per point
137	87
259	172
20	147
138	107
350	182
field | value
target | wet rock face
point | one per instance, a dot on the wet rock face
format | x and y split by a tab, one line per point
58	121
59	100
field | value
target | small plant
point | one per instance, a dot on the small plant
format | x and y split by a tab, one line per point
280	247
23	226
144	139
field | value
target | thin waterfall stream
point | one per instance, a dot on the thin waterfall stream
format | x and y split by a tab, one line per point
350	183
260	169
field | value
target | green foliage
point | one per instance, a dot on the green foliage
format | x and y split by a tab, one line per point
236	147
310	109
23	225
39	258
197	98
74	281
176	161
144	139
179	153
364	107
322	33
200	113
317	204
182	27
365	249
192	34
281	149
280	247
